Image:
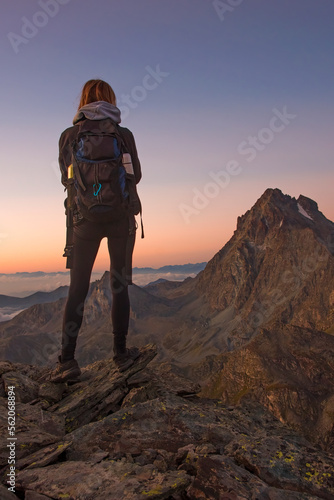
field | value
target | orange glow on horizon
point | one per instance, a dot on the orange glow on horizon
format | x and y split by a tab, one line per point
34	240
158	256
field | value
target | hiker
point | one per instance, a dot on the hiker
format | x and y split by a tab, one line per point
95	132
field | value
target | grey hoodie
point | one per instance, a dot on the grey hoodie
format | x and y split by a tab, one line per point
98	110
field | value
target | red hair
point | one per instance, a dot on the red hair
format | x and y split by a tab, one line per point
96	90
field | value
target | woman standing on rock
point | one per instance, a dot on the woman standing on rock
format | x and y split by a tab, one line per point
102	201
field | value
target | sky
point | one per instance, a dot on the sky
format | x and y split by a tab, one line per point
225	99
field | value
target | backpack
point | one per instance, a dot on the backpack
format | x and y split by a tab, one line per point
105	190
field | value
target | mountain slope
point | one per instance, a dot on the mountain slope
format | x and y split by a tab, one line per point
278	264
35	298
289	370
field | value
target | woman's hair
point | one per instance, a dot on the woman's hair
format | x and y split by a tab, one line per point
96	90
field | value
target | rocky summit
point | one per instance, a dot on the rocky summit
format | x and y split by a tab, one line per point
277	265
145	433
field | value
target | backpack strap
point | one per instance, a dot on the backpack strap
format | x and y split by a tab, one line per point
140	211
141	223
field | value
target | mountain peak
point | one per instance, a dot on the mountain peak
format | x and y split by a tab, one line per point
265	260
274	198
307	204
268	212
272	194
273	209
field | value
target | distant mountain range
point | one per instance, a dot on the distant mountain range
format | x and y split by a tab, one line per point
257	322
181	269
36	298
178	268
37	274
10	306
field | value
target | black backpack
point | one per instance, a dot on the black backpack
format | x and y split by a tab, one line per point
105	189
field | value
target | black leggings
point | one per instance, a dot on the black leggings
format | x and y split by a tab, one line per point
87	239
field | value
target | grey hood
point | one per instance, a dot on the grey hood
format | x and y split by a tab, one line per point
98	110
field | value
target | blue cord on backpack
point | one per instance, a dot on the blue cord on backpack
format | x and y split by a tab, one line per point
96	192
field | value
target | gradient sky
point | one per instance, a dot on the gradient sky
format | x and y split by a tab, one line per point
207	126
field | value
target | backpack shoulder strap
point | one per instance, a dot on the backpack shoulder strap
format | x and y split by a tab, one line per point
140	211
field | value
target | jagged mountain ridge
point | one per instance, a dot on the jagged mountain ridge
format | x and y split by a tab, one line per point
278	265
35	298
275	275
174	269
33	336
11	306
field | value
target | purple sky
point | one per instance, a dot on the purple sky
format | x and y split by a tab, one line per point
225	99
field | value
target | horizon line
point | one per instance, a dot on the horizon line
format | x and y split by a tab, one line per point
104	270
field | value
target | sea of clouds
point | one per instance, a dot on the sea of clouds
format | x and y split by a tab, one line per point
24	284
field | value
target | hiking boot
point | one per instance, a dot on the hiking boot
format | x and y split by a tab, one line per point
69	370
125	360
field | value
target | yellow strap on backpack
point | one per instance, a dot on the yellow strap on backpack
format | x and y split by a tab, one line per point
70	171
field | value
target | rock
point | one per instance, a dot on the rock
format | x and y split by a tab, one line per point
220	478
138	435
51	392
6	366
114	480
157	382
137	395
35	429
285	465
26	390
140	378
173	383
28	415
289	370
32	495
99	395
5	494
43	457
